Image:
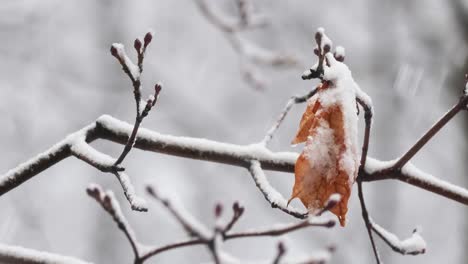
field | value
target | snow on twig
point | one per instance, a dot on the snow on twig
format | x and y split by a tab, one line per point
132	70
112	207
90	155
380	170
109	128
291	102
212	239
16	254
137	203
413	245
272	195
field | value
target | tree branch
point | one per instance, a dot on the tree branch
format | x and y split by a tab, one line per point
20	255
210	239
275	199
461	105
250	54
292	101
414	245
111	206
117	131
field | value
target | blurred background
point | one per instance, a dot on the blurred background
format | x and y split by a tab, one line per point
56	76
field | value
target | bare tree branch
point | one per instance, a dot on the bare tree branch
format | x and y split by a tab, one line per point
366	218
281	251
278	231
250	54
461	105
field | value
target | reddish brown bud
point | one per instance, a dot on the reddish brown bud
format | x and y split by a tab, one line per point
150	190
113	51
107	201
157	89
326	48
236	206
316	51
338	57
137	45
218	210
281	248
318	37
148	38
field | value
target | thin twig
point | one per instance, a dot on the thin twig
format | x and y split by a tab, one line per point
190	225
278	231
111	206
365	217
281	250
291	102
249	53
461	105
414	245
160	249
19	255
238	211
119	52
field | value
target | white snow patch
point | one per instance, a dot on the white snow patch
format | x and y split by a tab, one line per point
334	198
340	51
374	165
325	39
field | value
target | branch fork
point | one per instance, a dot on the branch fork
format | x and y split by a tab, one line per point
199	234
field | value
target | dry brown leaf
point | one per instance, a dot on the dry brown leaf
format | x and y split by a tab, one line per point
316	181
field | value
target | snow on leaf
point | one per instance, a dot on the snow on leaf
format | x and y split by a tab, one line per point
329	162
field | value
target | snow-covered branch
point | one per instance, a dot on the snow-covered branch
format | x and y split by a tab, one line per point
254	157
413	245
275	198
210	238
111	206
251	55
109	128
20	255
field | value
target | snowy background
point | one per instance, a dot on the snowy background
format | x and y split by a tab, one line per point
56	76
